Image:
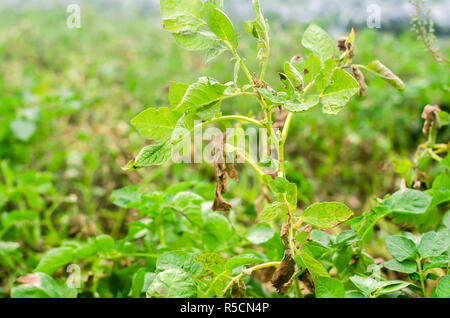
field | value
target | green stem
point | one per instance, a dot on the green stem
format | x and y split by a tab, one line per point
231	117
249	271
422	282
284	134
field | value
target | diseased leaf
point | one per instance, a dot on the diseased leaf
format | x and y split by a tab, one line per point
179	259
326	215
152	155
307	104
341	89
238	289
172	283
382	71
284	274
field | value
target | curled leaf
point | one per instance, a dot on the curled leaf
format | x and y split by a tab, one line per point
238	289
223	171
284	274
382	71
360	79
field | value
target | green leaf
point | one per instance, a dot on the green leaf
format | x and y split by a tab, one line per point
382	71
60	256
272	211
189	204
198	41
323	79
181	15
156	124
367	285
260	233
177	92
173	283
407	267
329	288
104	244
390	287
305	258
312	68
318	41
401	248
218	226
152	155
126	196
408	201
433	244
202	93
220	24
179	259
241	260
437	262
442	290
307	104
41	285
259	28
326	215
341	89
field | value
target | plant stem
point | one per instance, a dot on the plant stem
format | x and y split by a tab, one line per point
249	271
231	117
282	169
422	282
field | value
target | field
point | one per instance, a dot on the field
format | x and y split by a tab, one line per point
75	222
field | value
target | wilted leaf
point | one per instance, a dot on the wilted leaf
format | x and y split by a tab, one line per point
382	71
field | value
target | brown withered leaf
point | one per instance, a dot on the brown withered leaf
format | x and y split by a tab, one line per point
238	289
285	234
29	279
223	170
264	275
341	44
284	274
360	79
308	281
430	115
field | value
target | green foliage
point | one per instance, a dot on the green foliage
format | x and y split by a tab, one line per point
162	238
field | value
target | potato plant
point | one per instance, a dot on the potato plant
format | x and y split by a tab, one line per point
185	246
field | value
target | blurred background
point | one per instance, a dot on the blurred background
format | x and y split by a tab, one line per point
67	97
